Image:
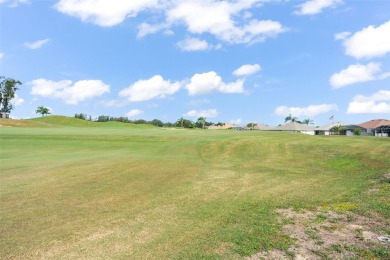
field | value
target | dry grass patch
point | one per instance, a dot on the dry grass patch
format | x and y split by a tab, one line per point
323	234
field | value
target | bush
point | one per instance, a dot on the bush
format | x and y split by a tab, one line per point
357	131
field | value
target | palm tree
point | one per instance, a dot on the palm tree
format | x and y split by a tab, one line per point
201	121
179	122
308	122
42	110
290	118
337	129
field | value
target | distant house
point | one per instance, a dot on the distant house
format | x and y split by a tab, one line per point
221	127
348	130
327	129
383	131
296	127
372	125
262	127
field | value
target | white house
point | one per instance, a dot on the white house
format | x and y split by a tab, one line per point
296	127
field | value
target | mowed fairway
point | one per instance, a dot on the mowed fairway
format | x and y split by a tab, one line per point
75	190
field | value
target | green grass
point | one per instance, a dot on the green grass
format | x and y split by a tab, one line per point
78	189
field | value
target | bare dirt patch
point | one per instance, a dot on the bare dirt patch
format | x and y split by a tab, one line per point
323	234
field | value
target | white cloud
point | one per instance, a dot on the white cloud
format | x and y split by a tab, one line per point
369	42
378	103
14	3
357	73
103	12
155	87
206	83
134	113
71	94
145	29
316	6
202	113
1	55
17	101
246	70
226	20
311	110
222	19
193	44
37	44
342	35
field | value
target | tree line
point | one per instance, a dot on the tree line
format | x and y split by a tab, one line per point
201	122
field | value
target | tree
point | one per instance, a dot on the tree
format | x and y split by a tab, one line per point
290	118
357	131
185	123
81	116
157	122
179	122
337	129
308	122
42	110
201	122
251	125
8	87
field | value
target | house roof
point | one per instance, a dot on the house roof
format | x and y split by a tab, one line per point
374	123
225	126
294	126
262	127
331	125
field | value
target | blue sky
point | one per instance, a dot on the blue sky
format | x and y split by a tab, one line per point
229	61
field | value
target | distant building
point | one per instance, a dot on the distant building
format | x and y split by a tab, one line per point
262	127
296	127
348	130
372	125
221	127
327	129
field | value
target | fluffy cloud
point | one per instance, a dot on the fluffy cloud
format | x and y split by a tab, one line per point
134	113
36	44
103	12
246	70
71	94
369	42
378	103
311	110
316	6
357	73
226	20
1	55
221	19
155	87
202	113
17	101
193	44
206	83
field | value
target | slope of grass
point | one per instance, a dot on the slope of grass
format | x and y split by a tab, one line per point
123	192
20	123
75	122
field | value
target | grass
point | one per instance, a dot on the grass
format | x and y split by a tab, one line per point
78	189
